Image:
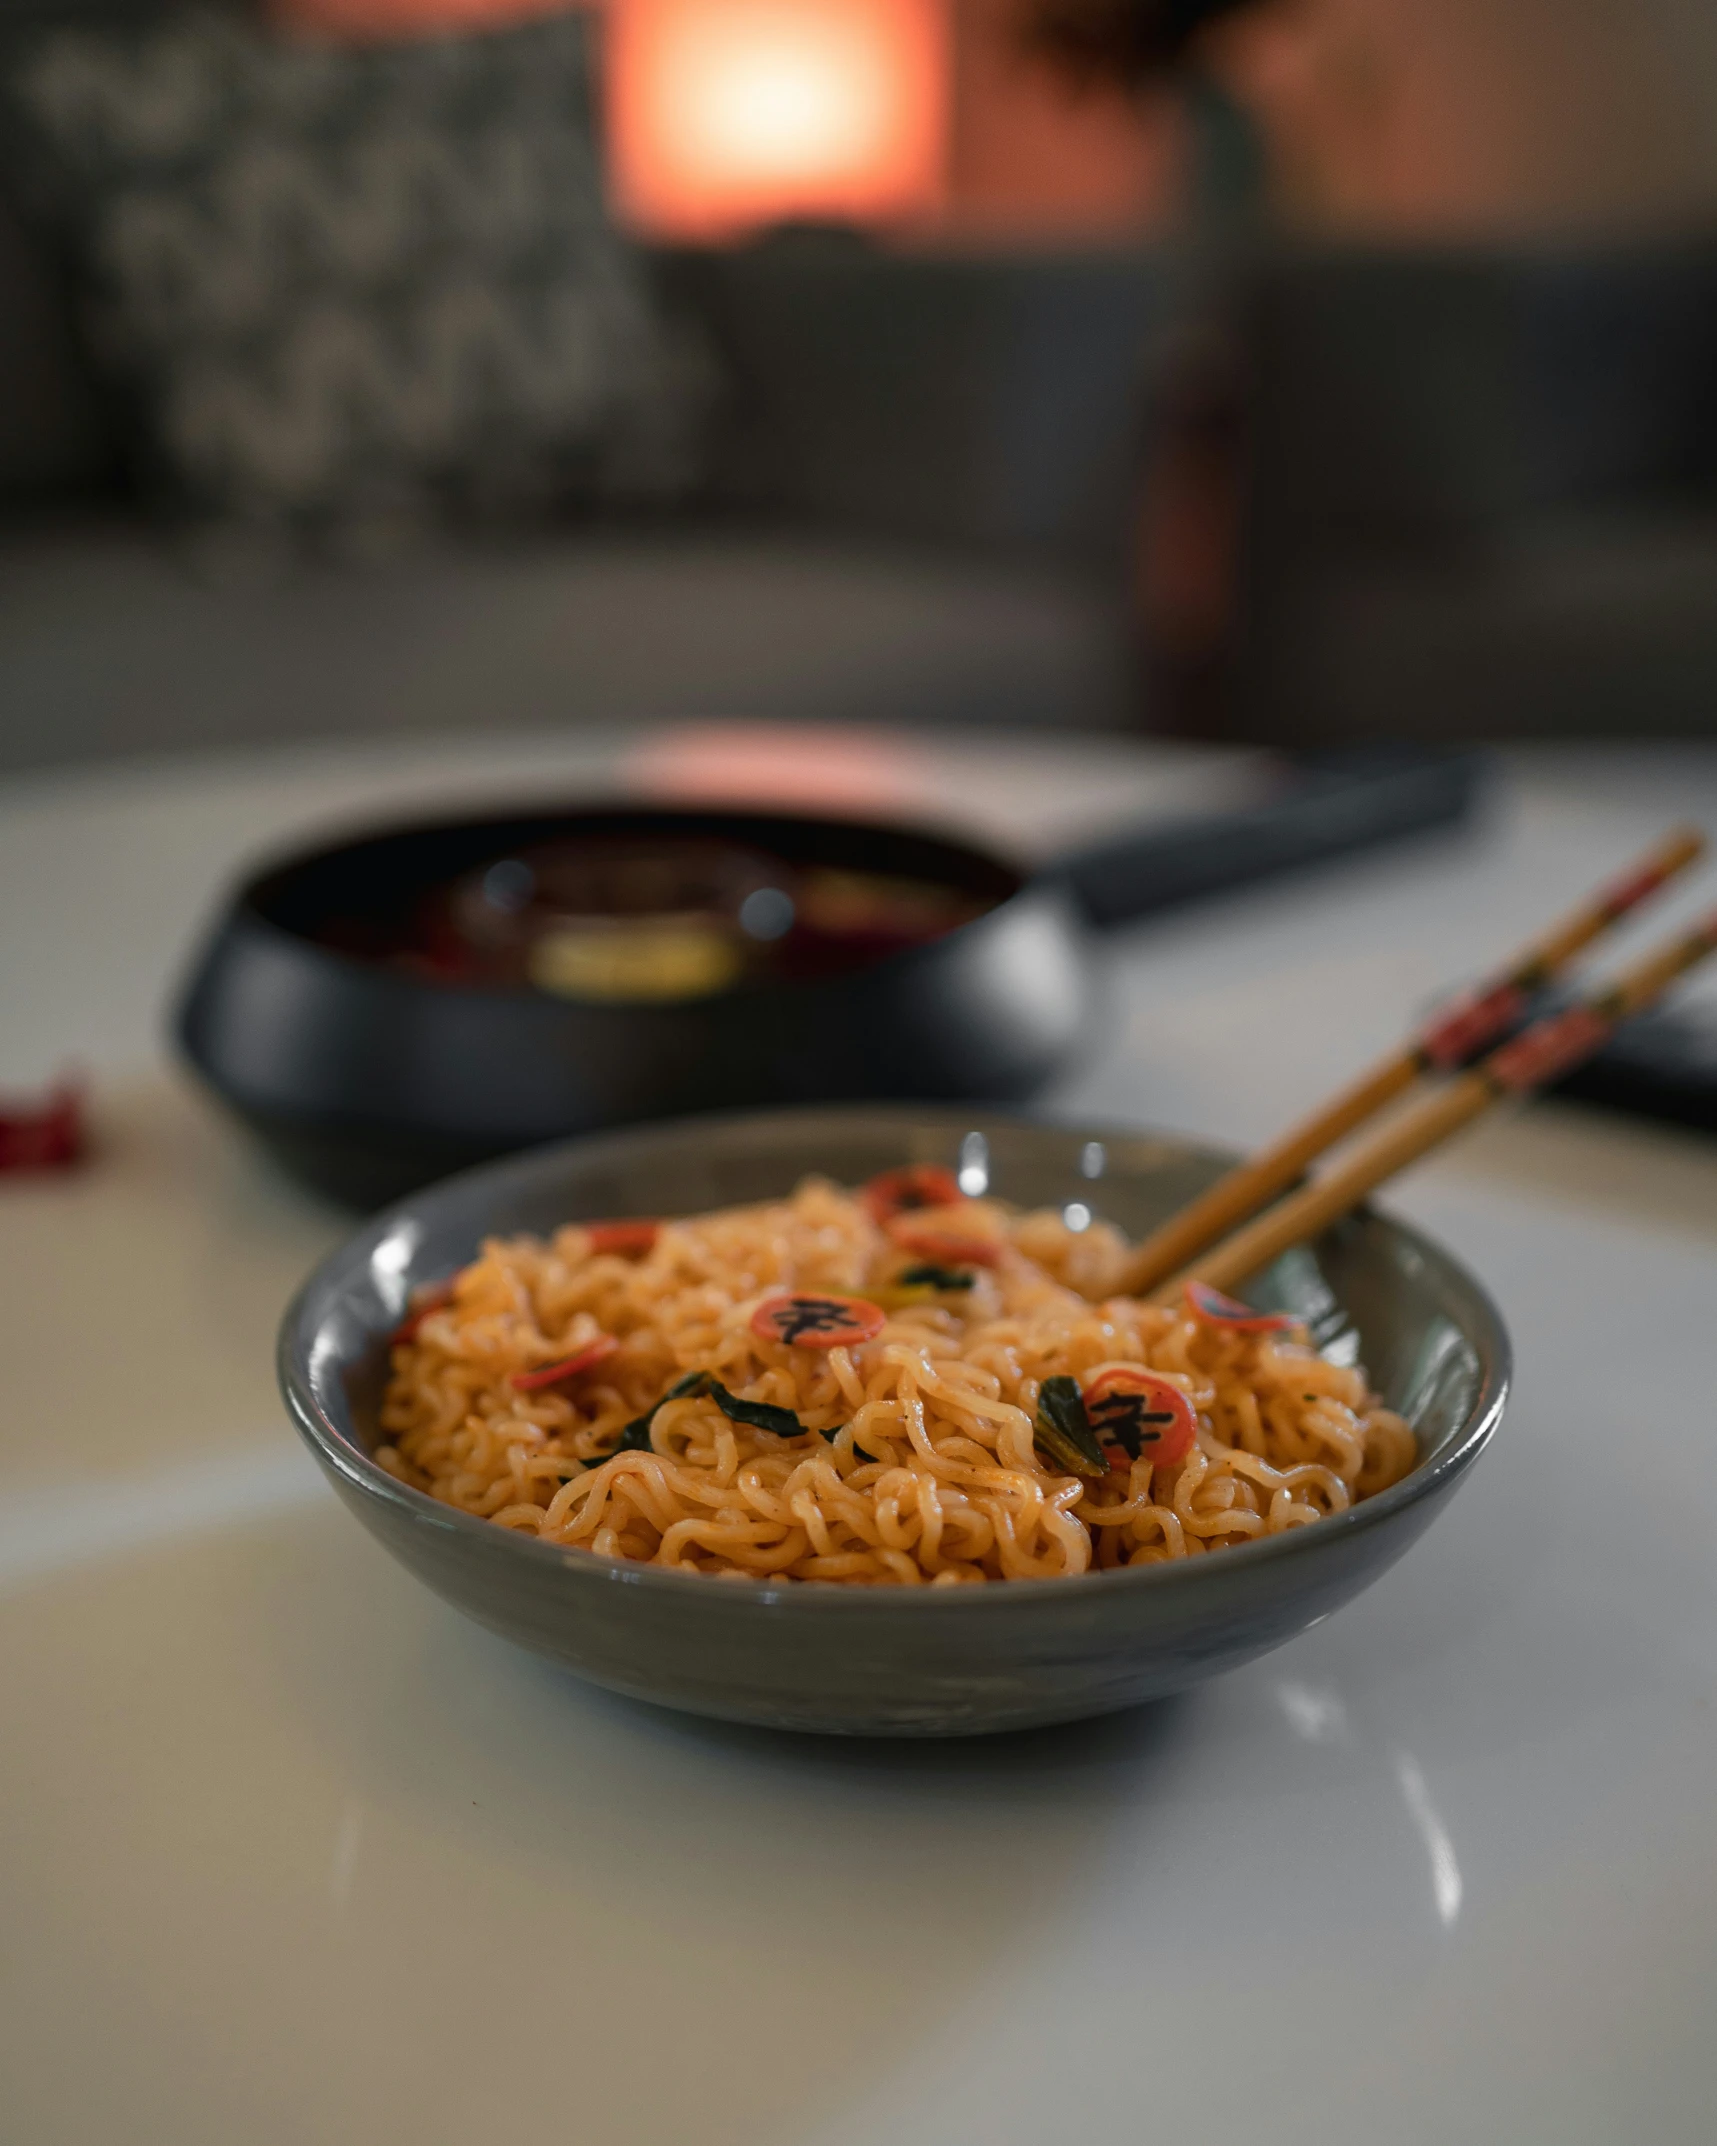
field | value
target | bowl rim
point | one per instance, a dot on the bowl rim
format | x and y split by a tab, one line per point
345	1458
242	909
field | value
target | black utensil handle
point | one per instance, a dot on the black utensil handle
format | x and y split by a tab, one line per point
1333	803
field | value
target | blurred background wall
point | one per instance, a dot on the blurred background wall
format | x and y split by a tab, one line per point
963	431
1474	117
1471	117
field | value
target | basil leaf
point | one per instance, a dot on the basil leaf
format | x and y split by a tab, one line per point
1063	1430
635	1438
934	1277
761	1415
831	1436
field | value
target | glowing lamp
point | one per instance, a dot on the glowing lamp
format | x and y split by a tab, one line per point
728	114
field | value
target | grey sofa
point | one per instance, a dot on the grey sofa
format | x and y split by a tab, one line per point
919	474
1482	495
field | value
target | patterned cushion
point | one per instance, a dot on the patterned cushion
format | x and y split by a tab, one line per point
340	281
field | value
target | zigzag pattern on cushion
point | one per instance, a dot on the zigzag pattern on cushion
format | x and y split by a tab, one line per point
338	272
338	398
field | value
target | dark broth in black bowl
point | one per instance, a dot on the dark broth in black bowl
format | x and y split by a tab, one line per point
642	918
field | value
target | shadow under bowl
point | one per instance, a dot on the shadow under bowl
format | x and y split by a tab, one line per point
893	1661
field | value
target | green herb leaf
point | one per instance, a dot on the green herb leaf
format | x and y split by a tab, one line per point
635	1438
1063	1430
761	1415
934	1277
831	1436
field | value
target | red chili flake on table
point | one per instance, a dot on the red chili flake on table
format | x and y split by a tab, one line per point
585	1359
813	1321
623	1237
1214	1309
946	1247
44	1136
919	1184
433	1296
1135	1415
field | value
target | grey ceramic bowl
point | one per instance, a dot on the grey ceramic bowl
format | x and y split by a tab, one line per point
891	1661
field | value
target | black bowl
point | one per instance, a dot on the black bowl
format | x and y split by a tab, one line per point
368	1081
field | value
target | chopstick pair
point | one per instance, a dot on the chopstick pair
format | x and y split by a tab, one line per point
1187	1247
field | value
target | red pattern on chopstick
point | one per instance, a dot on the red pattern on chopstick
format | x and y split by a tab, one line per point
1548	1049
1475	1019
1633	888
1468	1023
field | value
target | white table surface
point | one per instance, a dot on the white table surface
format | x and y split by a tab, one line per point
290	1853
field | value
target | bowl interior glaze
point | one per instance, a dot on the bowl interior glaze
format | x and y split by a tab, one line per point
896	1660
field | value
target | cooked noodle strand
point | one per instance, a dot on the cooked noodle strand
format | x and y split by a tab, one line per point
916	1459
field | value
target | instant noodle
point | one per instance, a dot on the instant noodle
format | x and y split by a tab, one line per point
791	1390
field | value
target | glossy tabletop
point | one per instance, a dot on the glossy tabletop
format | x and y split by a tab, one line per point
290	1853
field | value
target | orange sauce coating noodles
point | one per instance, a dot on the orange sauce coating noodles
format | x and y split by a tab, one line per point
931	1476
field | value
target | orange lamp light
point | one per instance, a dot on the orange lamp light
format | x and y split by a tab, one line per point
725	115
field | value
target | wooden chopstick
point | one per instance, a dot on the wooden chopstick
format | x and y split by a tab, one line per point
1452	1036
1542	1052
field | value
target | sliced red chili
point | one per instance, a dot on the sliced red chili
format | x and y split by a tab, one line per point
623	1237
1214	1309
585	1359
1137	1415
946	1247
919	1184
810	1320
433	1296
